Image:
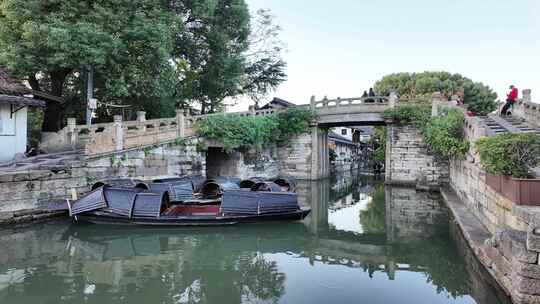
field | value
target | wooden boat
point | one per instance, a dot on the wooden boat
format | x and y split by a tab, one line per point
217	202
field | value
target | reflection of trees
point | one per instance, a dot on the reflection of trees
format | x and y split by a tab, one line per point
439	260
261	280
373	217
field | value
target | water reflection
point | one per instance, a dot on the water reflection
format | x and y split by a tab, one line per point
362	243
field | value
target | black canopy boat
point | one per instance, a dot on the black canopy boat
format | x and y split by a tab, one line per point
189	202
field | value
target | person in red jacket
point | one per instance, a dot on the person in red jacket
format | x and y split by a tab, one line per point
510	100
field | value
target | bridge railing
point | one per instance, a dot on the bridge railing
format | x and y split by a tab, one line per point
119	135
340	102
114	136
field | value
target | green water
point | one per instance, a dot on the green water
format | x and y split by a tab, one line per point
363	243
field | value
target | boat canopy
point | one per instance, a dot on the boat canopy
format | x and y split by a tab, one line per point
179	189
93	201
286	183
123	202
249	202
214	189
121	183
248	183
266	186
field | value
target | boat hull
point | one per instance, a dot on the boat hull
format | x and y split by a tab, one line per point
111	219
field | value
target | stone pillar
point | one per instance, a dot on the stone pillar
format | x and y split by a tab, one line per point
141	116
180	123
314	153
436	100
119	133
320	164
324	154
527	96
312	103
71	134
392	99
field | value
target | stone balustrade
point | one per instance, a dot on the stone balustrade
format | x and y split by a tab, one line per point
116	136
528	110
340	102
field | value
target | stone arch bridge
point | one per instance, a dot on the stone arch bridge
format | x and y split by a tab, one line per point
312	161
306	157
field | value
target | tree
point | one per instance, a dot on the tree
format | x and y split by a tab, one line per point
127	42
478	97
265	69
226	53
212	46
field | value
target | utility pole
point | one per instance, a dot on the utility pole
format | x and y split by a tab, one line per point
90	101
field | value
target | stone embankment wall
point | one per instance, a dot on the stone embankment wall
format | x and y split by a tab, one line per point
292	159
409	161
295	159
505	240
263	164
22	192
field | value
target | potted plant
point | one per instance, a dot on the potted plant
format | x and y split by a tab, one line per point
508	159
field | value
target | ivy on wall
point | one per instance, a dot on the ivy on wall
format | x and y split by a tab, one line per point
443	133
237	133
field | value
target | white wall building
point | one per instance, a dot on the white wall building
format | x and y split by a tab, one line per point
14	104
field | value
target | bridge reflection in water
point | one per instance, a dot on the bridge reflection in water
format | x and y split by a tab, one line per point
363	242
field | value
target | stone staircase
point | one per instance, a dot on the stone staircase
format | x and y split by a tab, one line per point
509	124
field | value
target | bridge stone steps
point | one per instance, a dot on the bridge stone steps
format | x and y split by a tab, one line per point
499	124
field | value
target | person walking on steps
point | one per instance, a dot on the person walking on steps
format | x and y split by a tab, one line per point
511	98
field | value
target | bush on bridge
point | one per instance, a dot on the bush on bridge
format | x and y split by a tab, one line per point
417	114
443	134
237	133
509	154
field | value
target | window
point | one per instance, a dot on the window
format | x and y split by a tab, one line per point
343	131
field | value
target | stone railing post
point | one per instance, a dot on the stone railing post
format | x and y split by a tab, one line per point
180	123
527	96
392	99
312	103
435	103
72	135
119	133
141	116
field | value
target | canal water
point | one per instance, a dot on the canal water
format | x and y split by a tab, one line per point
363	243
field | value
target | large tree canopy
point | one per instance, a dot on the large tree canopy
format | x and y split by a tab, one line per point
153	55
478	97
128	42
226	53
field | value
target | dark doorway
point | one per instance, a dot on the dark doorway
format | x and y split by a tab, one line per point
219	163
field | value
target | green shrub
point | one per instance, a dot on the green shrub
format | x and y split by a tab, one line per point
417	114
443	133
510	154
237	133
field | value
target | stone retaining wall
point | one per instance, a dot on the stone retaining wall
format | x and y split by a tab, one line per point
505	239
22	192
409	161
295	158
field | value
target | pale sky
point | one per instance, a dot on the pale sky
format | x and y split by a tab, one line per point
340	48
